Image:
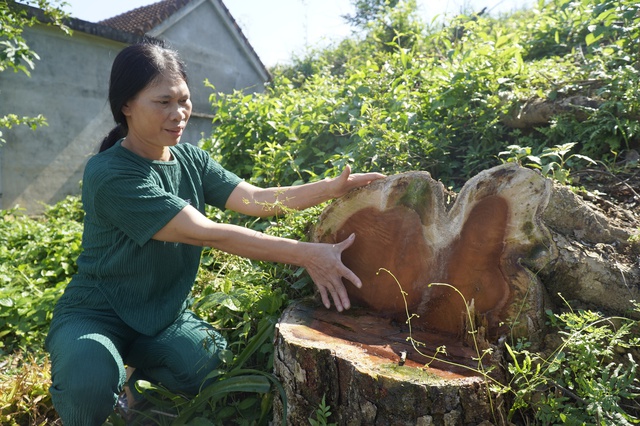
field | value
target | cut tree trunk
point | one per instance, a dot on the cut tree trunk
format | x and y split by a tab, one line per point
355	362
403	225
441	286
446	279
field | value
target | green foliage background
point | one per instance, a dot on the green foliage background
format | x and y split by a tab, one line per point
435	99
401	95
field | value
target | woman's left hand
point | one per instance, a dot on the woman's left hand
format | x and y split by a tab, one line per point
348	181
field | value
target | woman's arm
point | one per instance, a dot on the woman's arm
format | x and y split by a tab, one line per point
262	202
322	261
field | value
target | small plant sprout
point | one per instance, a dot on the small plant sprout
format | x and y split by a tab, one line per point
322	415
552	162
442	350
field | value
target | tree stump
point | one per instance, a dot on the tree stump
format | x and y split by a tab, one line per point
364	369
443	283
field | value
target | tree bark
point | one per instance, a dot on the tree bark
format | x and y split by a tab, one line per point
597	265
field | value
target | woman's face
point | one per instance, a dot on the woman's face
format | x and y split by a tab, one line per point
157	116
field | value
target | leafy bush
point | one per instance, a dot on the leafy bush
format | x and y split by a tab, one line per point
239	295
591	378
438	103
37	259
552	163
232	394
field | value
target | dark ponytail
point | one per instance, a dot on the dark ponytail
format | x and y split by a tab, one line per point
112	137
133	69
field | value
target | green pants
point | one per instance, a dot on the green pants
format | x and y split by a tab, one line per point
89	350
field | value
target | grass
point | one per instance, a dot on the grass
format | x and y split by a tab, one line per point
24	391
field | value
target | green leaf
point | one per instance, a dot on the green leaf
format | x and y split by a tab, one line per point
591	38
266	332
226	356
219	389
219	299
585	158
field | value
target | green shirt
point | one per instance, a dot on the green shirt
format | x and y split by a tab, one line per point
127	199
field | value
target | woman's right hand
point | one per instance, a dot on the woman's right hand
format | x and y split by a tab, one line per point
324	265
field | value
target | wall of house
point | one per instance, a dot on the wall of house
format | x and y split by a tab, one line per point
69	87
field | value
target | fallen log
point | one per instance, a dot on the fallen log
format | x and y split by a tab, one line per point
540	112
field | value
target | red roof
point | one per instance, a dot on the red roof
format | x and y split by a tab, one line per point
141	20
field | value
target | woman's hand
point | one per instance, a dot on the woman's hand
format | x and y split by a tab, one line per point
348	181
327	270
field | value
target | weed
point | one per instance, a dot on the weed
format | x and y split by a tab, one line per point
552	162
232	394
591	378
491	384
24	391
37	260
323	412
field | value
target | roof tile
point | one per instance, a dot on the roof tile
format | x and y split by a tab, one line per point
142	19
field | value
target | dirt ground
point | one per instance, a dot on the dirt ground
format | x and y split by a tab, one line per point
616	195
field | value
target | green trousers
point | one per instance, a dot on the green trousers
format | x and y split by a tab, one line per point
89	350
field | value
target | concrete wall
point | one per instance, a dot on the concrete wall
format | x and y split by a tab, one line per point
69	87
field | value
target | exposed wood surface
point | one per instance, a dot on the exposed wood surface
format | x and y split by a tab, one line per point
468	270
477	245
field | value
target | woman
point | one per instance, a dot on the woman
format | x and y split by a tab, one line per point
144	197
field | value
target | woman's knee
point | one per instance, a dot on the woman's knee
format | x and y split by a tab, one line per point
87	377
182	362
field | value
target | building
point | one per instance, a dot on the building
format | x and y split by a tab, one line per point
70	82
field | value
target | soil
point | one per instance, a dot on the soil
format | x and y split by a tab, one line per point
617	197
